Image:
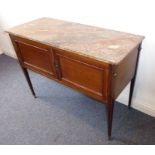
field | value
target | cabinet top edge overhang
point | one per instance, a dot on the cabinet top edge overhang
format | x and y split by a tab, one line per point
101	44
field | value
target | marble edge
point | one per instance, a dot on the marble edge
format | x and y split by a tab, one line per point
76	52
65	49
9	29
140	39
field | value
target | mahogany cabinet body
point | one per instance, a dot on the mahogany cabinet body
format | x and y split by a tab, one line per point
99	80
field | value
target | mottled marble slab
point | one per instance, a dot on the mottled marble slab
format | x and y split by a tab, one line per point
101	44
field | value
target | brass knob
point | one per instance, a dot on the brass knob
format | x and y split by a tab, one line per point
114	74
56	65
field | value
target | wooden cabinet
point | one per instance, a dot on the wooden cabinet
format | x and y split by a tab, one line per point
70	69
94	61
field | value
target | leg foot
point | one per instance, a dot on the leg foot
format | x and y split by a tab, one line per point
132	84
28	81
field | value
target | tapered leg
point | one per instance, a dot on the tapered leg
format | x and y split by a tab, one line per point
132	85
110	107
28	80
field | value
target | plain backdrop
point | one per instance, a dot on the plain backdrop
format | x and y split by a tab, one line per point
133	16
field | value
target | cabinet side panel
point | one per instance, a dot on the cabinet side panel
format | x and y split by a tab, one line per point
123	73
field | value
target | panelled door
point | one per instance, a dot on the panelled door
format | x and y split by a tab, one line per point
35	56
82	75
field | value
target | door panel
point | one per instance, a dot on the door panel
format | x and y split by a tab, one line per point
36	57
87	78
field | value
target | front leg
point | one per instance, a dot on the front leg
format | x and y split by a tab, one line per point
28	80
109	108
132	84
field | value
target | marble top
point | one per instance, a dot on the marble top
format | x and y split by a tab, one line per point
98	43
